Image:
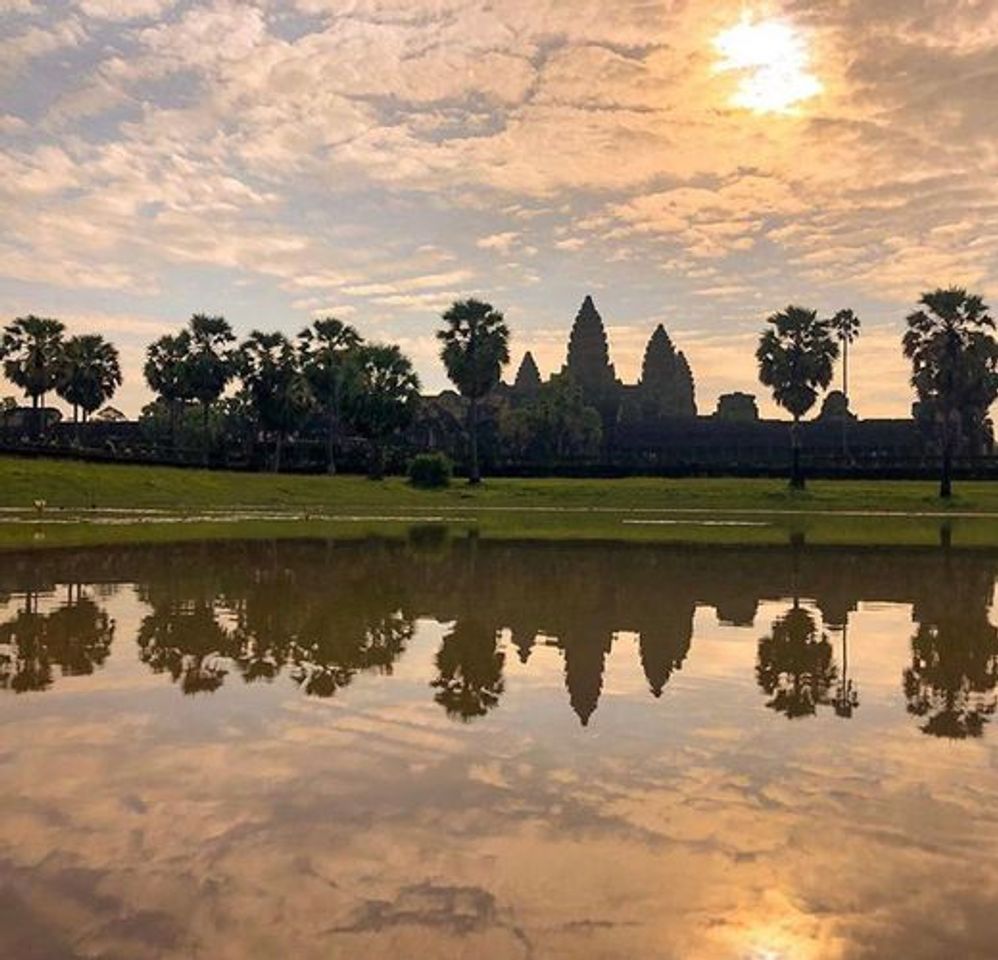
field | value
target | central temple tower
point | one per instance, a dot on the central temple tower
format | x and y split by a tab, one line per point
588	362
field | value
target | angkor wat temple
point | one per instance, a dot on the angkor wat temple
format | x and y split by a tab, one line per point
665	390
655	422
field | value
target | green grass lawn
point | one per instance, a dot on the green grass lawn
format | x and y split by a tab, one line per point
695	510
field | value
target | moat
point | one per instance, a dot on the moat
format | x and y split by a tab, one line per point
452	747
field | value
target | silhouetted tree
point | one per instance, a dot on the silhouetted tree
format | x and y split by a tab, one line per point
795	666
469	678
954	359
182	637
75	637
335	644
278	391
845	325
554	423
383	389
210	365
954	654
31	349
795	361
89	374
475	349
325	349
167	373
846	694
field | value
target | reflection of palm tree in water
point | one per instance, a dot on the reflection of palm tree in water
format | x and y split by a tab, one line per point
846	695
795	667
954	653
951	681
184	639
76	638
327	655
469	679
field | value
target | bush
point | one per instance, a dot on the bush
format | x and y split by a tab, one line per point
430	471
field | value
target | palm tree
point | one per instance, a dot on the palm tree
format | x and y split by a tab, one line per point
89	374
795	667
846	694
210	364
277	389
845	325
31	348
954	361
166	371
795	361
469	679
324	350
475	348
383	390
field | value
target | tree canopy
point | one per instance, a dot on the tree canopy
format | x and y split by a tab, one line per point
951	344
89	373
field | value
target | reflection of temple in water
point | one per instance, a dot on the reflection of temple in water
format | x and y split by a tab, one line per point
323	613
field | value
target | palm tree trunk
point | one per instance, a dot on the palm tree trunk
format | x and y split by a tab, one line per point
205	439
946	480
845	394
173	427
474	474
946	477
377	466
277	451
330	441
796	474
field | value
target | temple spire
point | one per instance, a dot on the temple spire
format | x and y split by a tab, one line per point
528	377
588	354
666	379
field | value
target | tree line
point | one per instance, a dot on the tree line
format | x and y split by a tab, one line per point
331	376
328	372
84	371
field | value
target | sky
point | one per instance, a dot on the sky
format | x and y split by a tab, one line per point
697	164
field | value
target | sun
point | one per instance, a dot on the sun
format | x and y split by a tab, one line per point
773	60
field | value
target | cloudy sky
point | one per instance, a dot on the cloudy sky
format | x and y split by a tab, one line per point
688	162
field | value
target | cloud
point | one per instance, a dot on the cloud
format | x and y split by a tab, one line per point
119	10
308	148
502	243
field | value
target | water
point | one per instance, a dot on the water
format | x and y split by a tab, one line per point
457	748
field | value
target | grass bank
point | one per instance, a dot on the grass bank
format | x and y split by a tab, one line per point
93	503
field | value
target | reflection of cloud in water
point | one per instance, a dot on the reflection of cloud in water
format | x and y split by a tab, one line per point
258	821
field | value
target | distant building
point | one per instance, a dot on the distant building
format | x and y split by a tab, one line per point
654	422
666	388
737	408
528	377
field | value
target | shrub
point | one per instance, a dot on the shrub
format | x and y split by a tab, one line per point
430	471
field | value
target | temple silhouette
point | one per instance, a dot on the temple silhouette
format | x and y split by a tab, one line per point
655	423
666	387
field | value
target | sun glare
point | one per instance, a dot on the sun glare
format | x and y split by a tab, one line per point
774	62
